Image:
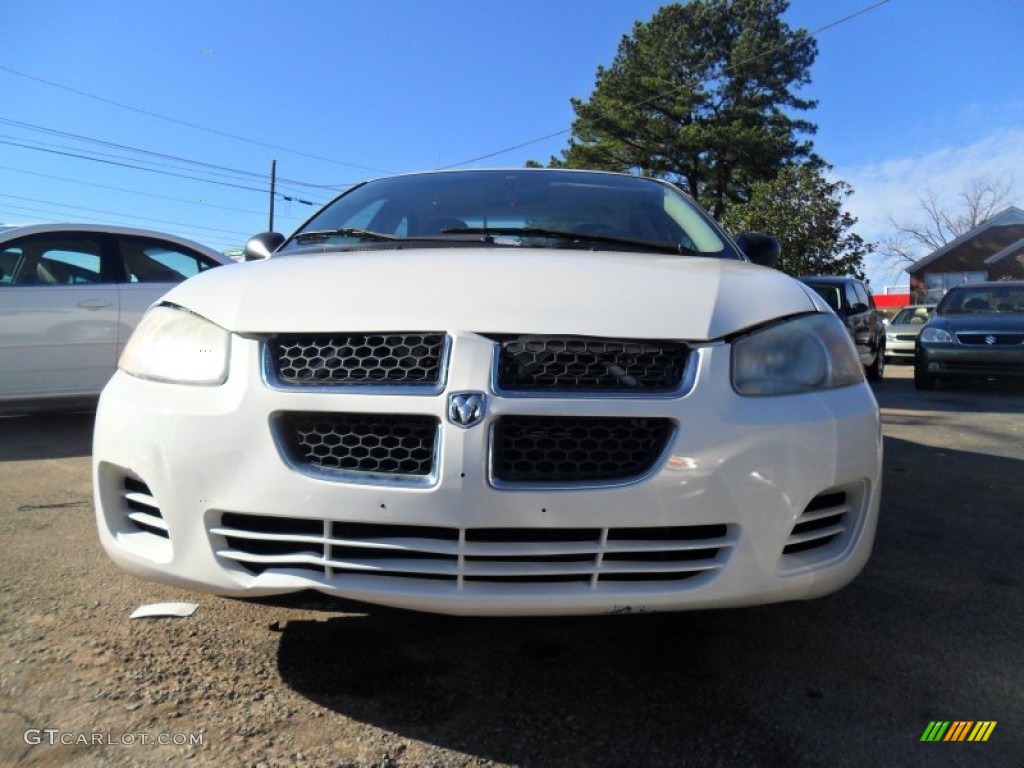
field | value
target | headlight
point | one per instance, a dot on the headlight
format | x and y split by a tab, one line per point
809	353
172	344
936	336
890	337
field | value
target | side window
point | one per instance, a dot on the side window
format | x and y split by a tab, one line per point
147	261
851	296
9	259
56	260
862	295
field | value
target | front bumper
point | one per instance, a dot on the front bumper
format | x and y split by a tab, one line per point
958	360
758	500
899	348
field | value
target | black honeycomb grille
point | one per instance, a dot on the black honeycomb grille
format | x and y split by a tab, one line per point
357	442
580	364
563	449
363	358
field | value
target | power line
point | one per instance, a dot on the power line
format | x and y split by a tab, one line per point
151	170
669	92
129	165
185	123
137	192
94	140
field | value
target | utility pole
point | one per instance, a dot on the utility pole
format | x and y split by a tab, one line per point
273	181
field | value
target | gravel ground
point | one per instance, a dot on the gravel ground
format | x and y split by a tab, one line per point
932	630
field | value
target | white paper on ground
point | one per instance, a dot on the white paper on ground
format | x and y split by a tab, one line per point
158	610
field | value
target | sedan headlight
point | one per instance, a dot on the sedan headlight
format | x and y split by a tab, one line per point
891	337
936	336
808	353
175	345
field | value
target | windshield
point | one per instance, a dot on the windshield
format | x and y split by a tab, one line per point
986	299
527	208
913	316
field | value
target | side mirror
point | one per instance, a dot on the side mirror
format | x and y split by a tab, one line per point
259	247
760	249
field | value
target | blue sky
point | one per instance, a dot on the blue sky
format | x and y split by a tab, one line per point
912	94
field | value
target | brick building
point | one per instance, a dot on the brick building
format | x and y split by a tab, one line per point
993	250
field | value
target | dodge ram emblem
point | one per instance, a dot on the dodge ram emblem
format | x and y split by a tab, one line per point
466	408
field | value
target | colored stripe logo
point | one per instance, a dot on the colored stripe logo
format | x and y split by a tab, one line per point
958	730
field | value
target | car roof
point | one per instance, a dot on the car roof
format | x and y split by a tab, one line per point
829	279
988	284
8	233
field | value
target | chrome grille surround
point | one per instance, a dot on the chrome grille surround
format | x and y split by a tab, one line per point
389	362
532	365
339	554
553	452
360	447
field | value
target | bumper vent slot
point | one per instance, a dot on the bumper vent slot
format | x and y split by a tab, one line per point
581	364
379	444
141	510
371	554
823	521
566	449
403	358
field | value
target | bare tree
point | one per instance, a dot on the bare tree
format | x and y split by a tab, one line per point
939	224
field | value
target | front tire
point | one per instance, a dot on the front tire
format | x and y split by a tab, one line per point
877	368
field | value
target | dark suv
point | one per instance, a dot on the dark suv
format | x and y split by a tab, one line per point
851	300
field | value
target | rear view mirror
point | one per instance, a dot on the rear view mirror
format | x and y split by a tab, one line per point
259	247
760	249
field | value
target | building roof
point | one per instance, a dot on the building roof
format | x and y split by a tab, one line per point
1010	250
990	241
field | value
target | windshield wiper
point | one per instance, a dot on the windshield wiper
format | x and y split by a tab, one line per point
577	237
362	234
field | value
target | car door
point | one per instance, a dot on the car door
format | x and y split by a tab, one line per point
151	267
858	315
58	315
872	320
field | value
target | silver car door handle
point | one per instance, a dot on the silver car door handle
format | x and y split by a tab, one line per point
94	304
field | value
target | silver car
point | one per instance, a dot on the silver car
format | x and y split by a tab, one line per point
901	334
70	296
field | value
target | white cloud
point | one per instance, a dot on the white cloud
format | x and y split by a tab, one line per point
892	188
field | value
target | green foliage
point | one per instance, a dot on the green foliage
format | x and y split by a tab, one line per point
699	95
804	211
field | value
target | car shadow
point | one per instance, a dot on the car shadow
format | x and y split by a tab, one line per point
931	614
964	396
46	436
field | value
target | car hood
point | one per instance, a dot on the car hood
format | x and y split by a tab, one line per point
495	290
988	321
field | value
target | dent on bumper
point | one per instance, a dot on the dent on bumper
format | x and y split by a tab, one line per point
759	500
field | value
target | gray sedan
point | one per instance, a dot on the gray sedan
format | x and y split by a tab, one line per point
901	334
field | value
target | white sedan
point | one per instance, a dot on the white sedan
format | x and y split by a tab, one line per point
508	392
70	296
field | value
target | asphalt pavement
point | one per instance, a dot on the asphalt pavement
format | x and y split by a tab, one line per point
933	630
